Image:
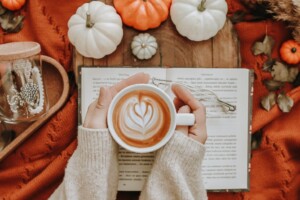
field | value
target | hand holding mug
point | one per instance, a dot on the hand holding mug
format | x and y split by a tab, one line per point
97	111
142	118
185	102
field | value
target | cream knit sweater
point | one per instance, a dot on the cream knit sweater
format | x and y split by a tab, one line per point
92	171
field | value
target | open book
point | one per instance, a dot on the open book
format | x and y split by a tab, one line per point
226	163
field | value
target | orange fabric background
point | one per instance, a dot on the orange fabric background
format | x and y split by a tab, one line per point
36	168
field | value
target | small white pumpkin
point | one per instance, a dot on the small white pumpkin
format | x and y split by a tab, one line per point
95	30
198	19
144	46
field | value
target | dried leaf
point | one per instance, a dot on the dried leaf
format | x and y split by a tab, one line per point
267	102
2	9
268	65
281	72
285	103
238	16
257	9
293	73
296	83
11	23
273	85
264	47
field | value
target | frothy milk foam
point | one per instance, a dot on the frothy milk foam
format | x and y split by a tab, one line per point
141	118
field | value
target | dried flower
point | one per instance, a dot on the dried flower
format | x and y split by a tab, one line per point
287	11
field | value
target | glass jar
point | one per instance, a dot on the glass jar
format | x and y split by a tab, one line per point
23	97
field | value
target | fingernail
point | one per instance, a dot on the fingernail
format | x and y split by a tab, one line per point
184	109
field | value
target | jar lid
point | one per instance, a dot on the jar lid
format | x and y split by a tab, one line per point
18	50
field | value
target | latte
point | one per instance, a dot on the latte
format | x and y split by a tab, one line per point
141	118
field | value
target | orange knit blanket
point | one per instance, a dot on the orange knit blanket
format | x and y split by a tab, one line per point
36	168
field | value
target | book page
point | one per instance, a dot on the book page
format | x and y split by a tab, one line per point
226	160
133	168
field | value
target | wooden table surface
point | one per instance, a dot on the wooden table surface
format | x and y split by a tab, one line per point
222	51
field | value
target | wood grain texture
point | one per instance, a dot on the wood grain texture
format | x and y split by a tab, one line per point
221	51
226	48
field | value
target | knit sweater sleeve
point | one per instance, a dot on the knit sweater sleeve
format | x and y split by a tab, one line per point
92	171
176	172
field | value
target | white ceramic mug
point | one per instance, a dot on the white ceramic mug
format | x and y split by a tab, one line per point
142	118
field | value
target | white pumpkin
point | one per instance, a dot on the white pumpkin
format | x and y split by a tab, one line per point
95	30
144	46
198	19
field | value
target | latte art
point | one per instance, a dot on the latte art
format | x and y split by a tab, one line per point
141	118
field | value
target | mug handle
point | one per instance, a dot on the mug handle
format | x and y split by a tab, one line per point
185	119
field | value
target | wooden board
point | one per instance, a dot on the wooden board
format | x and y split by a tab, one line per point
57	87
222	51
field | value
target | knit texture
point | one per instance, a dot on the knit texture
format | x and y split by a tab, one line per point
92	171
36	168
176	172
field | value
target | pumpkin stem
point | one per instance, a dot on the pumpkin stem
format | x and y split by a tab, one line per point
294	50
89	23
201	6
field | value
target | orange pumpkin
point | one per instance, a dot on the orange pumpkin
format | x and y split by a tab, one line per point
143	14
290	52
13	4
